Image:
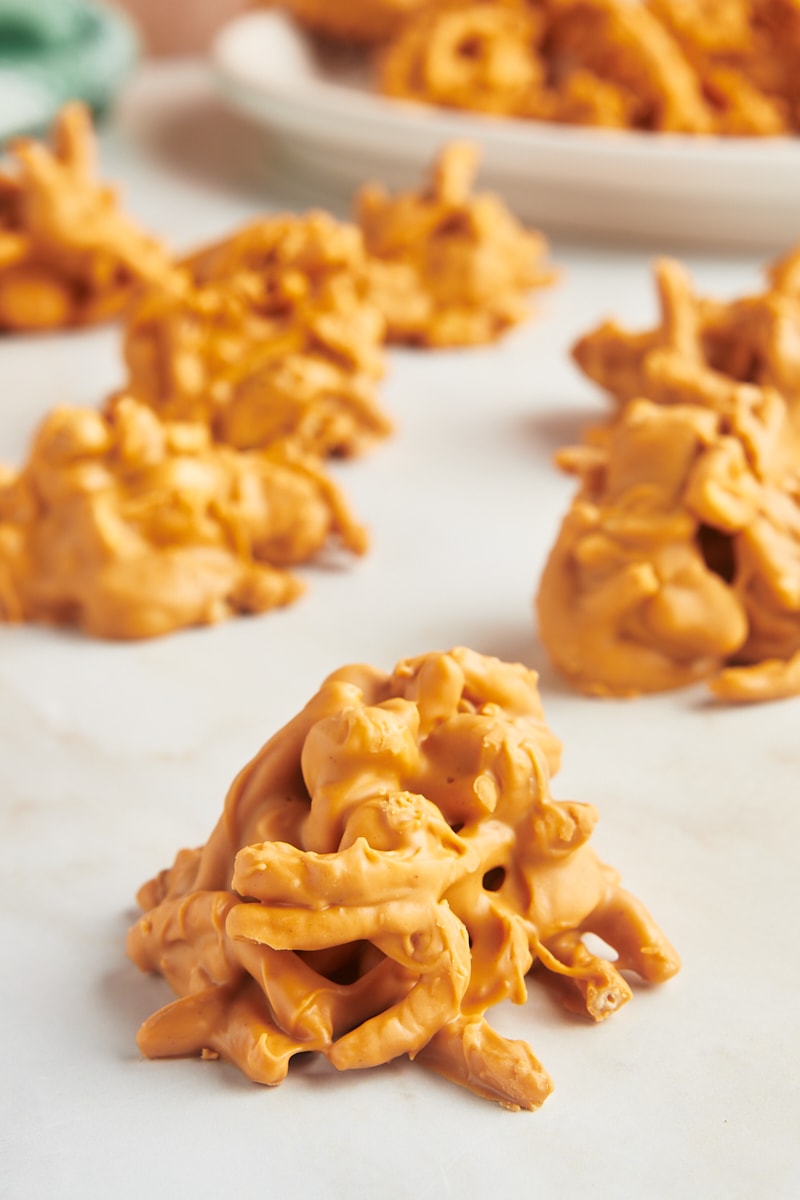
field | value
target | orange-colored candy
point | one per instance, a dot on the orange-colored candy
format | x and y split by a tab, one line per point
725	67
449	268
680	557
128	527
68	254
269	337
387	868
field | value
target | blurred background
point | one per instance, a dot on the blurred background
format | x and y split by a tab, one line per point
180	26
52	51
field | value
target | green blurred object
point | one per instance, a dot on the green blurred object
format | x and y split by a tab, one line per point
52	51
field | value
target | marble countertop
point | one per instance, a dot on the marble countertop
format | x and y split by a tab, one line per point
114	756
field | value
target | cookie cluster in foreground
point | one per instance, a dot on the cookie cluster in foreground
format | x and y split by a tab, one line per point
388	867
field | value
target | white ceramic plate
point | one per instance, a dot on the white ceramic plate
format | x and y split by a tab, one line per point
668	188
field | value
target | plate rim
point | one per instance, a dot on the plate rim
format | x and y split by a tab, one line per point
375	109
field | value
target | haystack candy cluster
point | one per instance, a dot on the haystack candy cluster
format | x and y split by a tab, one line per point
128	527
248	363
267	337
275	334
388	867
68	254
187	498
448	267
720	67
680	557
725	67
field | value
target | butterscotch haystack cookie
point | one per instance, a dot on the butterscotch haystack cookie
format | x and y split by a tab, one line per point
477	57
629	600
68	254
723	67
680	557
388	867
745	54
268	337
126	527
589	62
450	268
712	353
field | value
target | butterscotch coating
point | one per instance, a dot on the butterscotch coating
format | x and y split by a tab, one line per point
739	360
388	867
767	557
477	57
703	351
739	57
126	527
450	268
680	557
630	600
593	62
755	41
306	270
268	337
626	48
68	254
724	67
772	679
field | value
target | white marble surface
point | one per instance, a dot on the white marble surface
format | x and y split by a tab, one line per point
114	756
